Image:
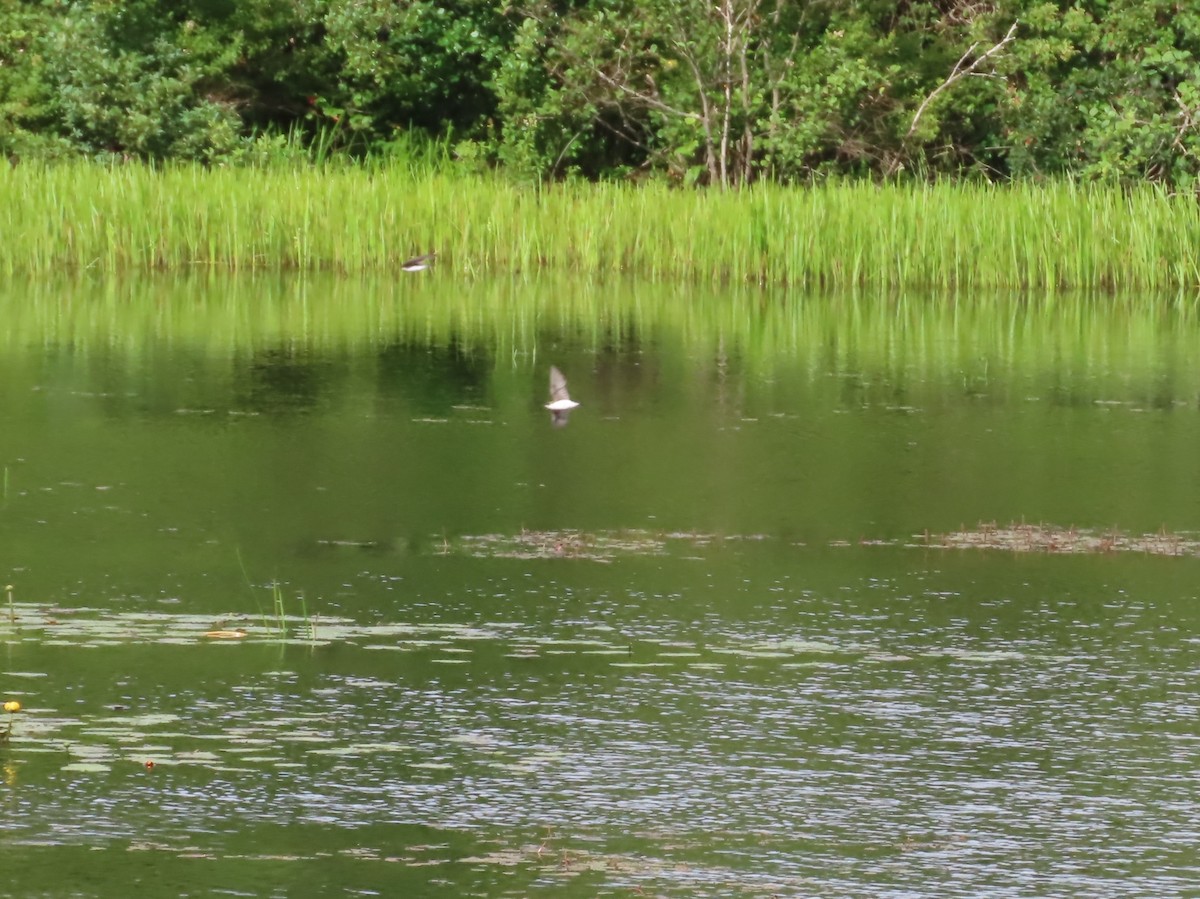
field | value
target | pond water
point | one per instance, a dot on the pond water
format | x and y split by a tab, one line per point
308	597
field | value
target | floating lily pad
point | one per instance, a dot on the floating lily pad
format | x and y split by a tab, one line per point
197	755
810	664
355	749
641	665
799	646
472	739
967	655
139	720
748	653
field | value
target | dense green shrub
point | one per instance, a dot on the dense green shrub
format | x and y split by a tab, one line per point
691	91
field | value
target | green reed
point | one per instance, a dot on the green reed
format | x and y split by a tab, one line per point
1052	236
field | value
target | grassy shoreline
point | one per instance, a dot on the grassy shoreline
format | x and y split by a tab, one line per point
1049	237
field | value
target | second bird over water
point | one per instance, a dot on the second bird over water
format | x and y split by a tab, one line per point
560	404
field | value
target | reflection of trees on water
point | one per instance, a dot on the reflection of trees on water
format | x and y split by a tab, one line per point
281	380
431	380
428	380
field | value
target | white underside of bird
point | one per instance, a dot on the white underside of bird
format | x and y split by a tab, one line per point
561	405
419	263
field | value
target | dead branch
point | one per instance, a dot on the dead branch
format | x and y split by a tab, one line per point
962	70
1187	122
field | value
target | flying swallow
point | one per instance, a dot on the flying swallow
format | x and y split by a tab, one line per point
418	263
560	404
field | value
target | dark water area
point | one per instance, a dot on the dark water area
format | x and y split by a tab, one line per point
310	598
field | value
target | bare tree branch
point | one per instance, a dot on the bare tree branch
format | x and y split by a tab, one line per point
649	99
714	53
1187	122
961	70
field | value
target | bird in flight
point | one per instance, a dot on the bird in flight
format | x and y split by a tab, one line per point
560	404
418	263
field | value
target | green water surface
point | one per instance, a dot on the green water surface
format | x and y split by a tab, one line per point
310	598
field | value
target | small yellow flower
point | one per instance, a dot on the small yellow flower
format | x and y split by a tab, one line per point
12	706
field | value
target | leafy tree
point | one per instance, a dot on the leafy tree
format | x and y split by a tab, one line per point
26	118
727	91
417	64
113	79
717	92
1107	90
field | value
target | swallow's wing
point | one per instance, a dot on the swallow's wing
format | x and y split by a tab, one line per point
419	262
558	385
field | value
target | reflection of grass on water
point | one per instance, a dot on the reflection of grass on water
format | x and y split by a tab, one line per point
975	339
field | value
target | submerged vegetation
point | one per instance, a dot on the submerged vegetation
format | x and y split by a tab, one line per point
602	546
965	236
1016	537
1044	538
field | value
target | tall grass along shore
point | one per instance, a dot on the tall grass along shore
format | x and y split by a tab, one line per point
1051	236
